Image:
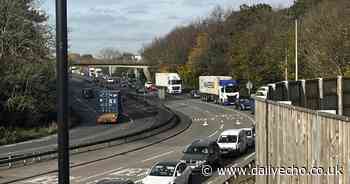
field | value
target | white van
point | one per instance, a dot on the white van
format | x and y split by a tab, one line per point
232	141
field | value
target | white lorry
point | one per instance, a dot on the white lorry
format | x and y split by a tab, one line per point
171	81
220	89
98	72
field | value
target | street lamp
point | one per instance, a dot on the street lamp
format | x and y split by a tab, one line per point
62	91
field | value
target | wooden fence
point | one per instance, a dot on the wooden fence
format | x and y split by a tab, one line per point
317	94
290	136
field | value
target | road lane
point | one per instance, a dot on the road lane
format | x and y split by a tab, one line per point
136	164
141	115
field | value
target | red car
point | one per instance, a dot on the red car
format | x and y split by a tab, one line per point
152	88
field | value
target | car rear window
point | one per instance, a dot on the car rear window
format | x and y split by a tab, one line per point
162	170
228	139
197	150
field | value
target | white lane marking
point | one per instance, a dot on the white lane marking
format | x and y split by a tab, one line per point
247	157
131	172
138	181
214	133
47	179
205	123
158	156
238	122
100	174
218	106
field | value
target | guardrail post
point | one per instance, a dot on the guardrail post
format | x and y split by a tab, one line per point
33	159
10	156
340	95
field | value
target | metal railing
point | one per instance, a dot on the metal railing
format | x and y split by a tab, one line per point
167	121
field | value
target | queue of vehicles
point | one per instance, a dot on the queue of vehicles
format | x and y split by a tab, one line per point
201	153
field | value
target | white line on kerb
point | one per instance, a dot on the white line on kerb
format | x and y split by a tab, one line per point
100	174
161	155
247	157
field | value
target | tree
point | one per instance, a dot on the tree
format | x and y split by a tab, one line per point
27	71
109	54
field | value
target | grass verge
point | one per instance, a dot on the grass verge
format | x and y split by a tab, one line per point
12	135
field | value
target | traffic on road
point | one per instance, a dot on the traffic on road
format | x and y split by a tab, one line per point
219	136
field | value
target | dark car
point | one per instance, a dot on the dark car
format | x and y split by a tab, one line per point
244	103
140	90
115	181
202	152
195	94
87	93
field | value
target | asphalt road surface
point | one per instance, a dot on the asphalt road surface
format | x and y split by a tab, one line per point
141	116
208	121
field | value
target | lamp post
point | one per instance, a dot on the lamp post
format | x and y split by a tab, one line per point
296	49
62	91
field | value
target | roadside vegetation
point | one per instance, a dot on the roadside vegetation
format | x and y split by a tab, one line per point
27	70
257	43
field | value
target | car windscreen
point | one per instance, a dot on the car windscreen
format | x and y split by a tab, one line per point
197	150
231	89
162	170
175	82
228	139
259	93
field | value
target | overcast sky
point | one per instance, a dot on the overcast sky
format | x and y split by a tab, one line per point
129	24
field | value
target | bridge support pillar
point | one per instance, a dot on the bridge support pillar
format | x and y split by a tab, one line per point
137	73
147	74
110	70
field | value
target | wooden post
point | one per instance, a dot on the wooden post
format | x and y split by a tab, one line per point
340	95
303	100
320	89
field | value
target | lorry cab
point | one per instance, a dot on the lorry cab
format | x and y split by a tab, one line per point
169	81
229	92
174	84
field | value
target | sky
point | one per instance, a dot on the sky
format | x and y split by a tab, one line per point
128	25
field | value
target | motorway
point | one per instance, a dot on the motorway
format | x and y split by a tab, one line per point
207	121
141	116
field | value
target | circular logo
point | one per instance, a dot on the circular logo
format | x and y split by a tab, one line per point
207	170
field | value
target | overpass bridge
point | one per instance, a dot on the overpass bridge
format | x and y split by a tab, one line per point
112	66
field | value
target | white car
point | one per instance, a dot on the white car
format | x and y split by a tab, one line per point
262	92
110	80
168	172
148	85
232	141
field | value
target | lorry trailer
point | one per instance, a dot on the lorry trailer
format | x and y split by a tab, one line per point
220	89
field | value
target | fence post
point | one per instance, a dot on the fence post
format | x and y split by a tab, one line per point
286	84
340	95
303	93
320	89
